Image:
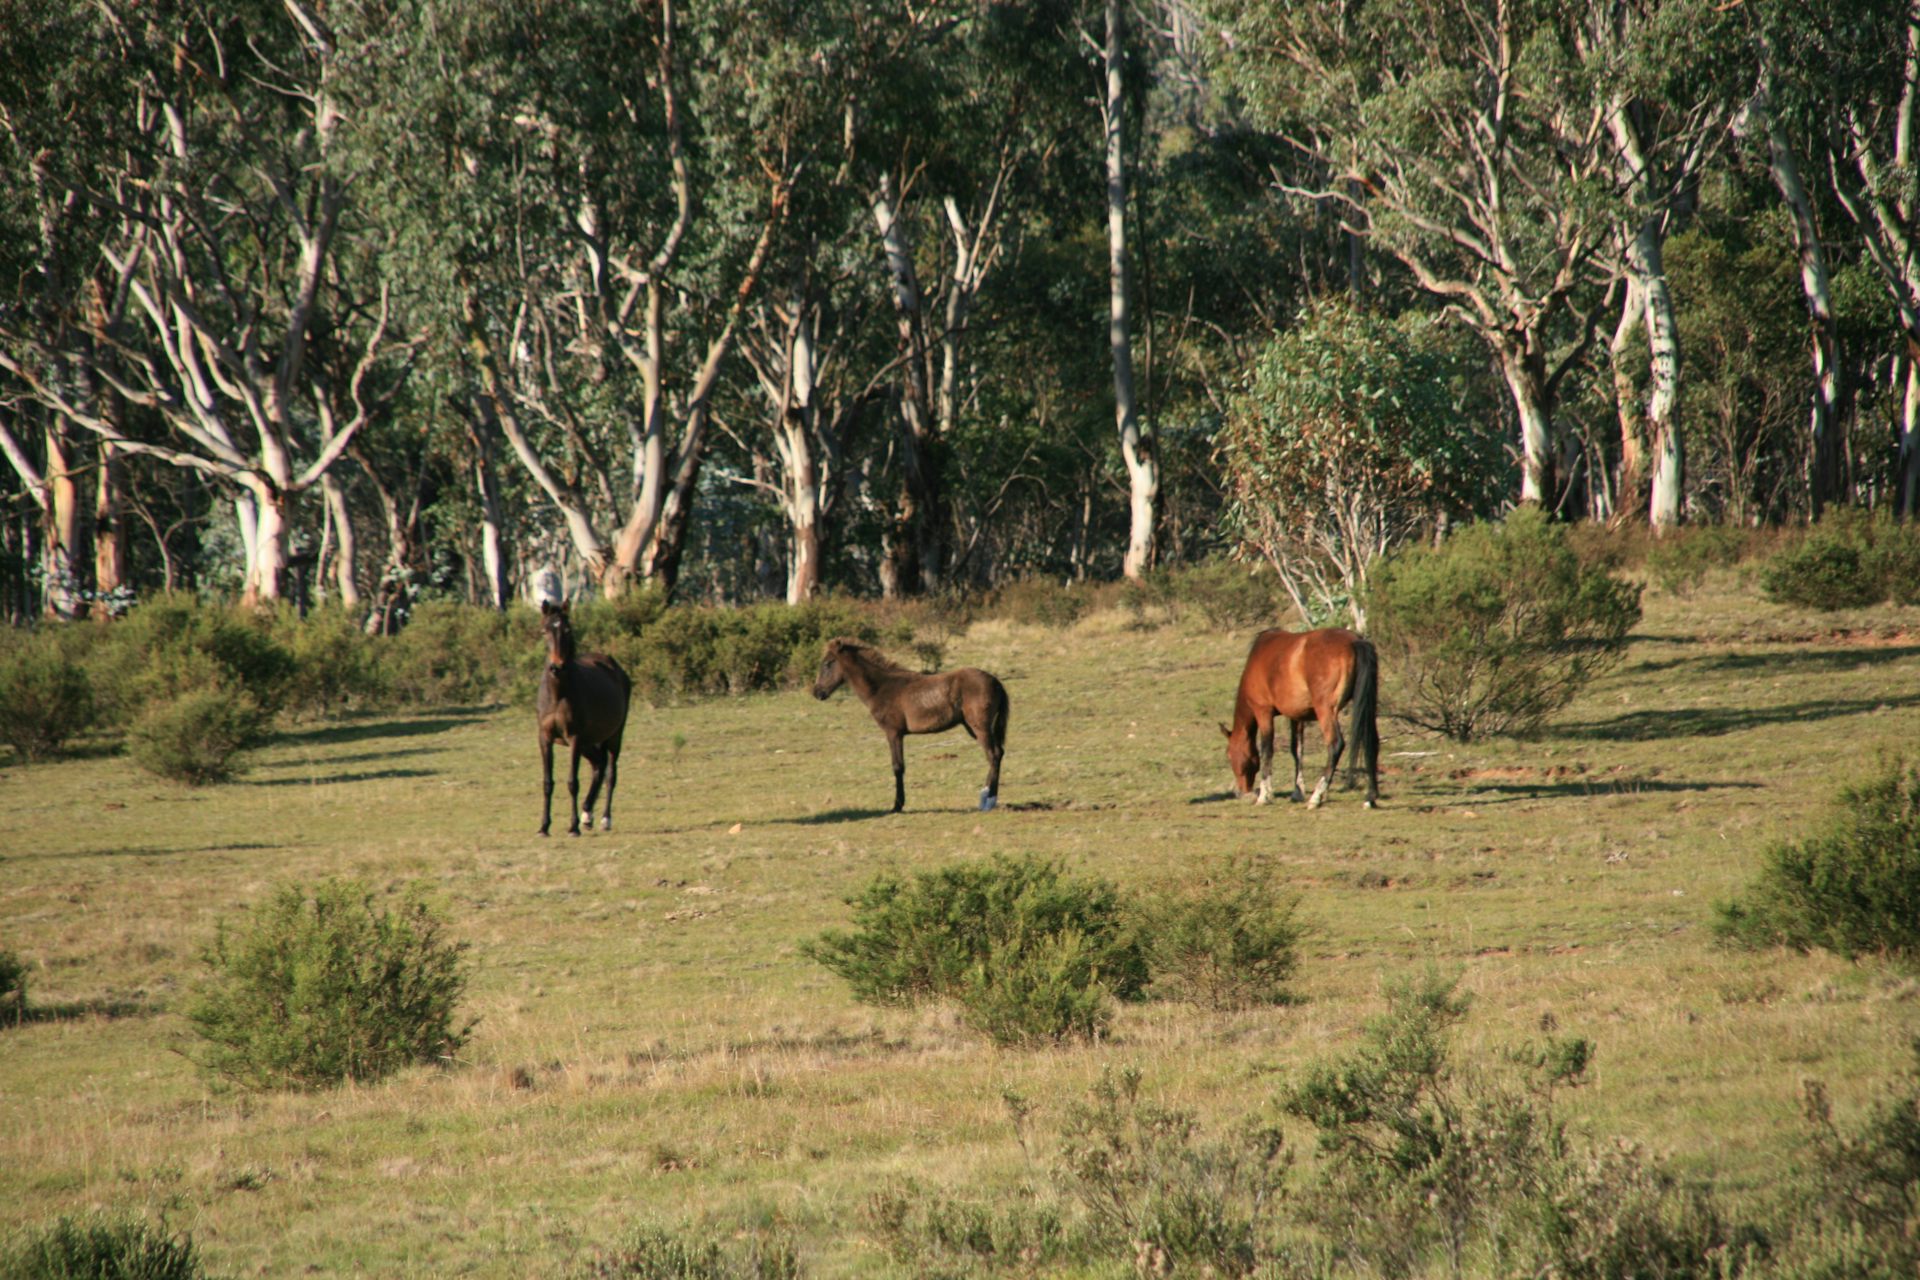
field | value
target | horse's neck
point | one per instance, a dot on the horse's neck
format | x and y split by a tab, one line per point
867	682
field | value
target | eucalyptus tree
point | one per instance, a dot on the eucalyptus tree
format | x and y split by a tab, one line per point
1462	138
226	210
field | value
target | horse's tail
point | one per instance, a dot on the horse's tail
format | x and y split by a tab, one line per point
996	711
1366	709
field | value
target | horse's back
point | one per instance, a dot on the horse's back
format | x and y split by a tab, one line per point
1292	670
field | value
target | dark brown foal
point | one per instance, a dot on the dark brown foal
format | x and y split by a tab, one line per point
582	702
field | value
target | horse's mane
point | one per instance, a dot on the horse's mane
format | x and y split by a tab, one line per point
869	657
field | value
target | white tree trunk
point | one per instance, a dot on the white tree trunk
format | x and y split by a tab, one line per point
1907	476
1663	396
340	519
63	530
1529	394
1136	446
267	564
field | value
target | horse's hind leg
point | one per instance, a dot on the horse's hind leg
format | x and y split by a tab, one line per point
897	747
990	796
613	778
1336	743
1294	730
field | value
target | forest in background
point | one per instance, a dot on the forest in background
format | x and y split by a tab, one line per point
380	301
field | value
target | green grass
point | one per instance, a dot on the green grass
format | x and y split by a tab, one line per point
653	1048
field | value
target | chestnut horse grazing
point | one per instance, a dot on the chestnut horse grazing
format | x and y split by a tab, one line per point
582	702
904	702
1297	675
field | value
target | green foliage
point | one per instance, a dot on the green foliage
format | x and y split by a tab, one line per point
320	986
1495	629
938	1236
689	650
336	664
455	653
1681	560
1218	593
99	1249
1424	1161
1849	560
45	699
654	1254
13	988
1153	1188
173	645
1041	602
1029	953
1353	435
1852	887
1229	943
197	737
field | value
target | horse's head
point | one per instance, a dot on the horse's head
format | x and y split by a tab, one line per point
831	676
557	627
1242	760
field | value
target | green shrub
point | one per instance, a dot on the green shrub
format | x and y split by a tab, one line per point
197	737
173	645
1153	1189
13	989
1680	561
1496	629
336	664
1230	943
450	654
45	699
1426	1162
1029	953
320	986
1222	594
99	1249
653	1254
1853	887
1850	560
933	1235
1865	1186
1041	602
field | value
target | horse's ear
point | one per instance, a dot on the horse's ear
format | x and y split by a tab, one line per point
546	607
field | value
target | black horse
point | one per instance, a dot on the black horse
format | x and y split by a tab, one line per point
582	701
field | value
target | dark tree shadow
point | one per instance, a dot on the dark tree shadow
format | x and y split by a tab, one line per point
373	775
1580	789
449	718
826	816
77	1010
142	851
359	757
1847	658
1710	722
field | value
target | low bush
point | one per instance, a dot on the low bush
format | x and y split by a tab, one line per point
173	645
456	653
46	700
1850	560
1496	629
1680	561
13	989
1229	943
320	986
1221	594
99	1249
1852	887
336	664
935	1235
1029	953
654	1254
196	738
1151	1186
1041	602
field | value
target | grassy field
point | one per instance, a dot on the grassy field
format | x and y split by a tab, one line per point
653	1049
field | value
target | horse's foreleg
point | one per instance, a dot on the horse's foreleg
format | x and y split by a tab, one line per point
573	787
1294	731
1264	727
897	746
598	759
1336	743
546	781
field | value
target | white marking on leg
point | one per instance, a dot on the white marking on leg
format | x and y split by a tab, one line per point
586	817
1265	793
988	801
1319	795
606	823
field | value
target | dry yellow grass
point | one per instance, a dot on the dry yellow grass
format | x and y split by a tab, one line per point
653	1048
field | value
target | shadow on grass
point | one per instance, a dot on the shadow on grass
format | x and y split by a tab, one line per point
447	718
373	775
1798	661
1578	789
78	1010
142	851
358	757
1711	722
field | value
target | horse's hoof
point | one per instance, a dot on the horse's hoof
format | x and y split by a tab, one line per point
1368	804
988	801
606	823
586	819
1315	800
1297	797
